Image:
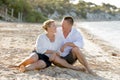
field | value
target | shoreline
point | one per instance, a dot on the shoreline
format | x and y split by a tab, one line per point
106	46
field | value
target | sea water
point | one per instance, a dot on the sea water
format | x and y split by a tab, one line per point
106	30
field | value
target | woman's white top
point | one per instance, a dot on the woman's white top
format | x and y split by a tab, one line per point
43	44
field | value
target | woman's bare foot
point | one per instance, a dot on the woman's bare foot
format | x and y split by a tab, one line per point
13	66
22	68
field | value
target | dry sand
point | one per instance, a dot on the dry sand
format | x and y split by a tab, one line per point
17	41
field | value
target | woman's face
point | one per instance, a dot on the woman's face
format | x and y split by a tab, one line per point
52	28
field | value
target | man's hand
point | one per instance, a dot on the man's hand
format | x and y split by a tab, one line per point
67	44
63	47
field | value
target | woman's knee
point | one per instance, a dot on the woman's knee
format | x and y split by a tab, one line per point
33	57
40	64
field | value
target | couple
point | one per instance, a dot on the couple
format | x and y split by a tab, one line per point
59	46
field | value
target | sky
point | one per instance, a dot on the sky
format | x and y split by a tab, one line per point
98	2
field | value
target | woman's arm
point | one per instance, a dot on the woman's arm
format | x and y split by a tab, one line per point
50	52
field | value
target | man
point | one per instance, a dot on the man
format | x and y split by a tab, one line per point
71	41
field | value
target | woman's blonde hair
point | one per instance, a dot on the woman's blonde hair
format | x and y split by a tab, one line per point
47	24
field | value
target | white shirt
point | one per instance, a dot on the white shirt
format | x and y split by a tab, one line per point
74	36
43	44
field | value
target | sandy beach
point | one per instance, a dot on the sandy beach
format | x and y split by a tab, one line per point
17	40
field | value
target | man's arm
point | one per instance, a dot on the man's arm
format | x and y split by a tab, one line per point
77	43
71	44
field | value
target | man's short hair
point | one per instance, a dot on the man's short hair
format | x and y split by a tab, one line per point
69	19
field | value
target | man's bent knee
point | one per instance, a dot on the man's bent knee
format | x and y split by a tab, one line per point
75	49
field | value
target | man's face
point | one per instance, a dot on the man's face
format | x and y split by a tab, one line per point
65	24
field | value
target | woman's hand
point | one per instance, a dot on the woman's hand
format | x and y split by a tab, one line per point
58	53
52	56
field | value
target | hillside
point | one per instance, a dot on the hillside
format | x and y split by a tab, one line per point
40	10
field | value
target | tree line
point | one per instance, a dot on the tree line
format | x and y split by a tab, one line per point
38	10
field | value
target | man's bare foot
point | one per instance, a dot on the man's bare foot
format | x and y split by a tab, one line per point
79	68
91	72
22	68
82	69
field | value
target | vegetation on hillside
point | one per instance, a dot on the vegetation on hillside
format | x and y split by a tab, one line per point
39	10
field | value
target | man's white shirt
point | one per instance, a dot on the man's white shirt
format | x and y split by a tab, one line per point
74	36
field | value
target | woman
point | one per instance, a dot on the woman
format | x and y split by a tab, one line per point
46	44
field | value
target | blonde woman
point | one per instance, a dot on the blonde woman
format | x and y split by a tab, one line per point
46	44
